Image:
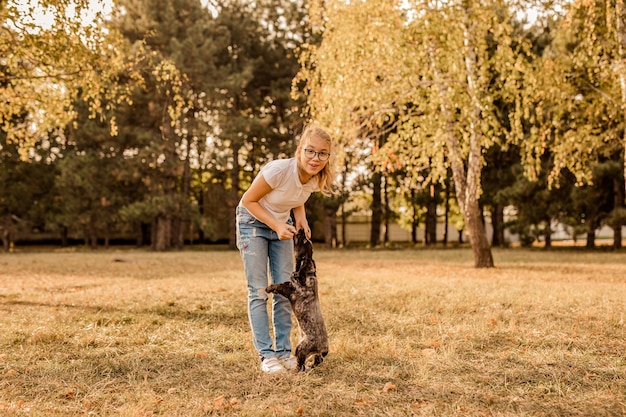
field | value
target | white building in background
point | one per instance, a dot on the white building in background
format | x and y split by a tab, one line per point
357	230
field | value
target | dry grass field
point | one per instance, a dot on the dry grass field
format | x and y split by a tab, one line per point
412	332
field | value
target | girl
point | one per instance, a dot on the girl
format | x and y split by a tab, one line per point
265	232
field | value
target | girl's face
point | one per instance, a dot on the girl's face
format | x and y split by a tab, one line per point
313	155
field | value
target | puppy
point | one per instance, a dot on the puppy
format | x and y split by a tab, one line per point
302	293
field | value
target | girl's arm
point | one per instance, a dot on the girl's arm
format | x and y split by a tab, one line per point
250	201
299	213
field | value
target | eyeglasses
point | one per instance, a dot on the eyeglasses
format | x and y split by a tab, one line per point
322	156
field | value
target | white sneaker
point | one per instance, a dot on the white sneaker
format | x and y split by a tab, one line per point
290	363
272	366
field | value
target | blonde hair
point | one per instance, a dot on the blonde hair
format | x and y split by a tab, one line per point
327	175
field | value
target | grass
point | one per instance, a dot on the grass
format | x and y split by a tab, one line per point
412	332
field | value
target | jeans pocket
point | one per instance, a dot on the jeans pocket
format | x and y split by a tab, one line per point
244	217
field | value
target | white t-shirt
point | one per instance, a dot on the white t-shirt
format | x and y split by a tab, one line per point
287	190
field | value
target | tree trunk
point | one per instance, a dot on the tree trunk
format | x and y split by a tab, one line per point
478	236
344	218
163	236
139	236
620	65
6	239
144	236
472	213
548	233
497	220
430	229
376	209
446	215
330	225
178	231
91	238
617	236
591	235
64	236
234	197
342	208
618	192
467	183
153	232
386	212
182	217
415	219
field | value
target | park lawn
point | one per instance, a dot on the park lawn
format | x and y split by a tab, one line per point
412	332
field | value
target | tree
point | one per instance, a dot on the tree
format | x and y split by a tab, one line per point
216	101
576	97
537	206
24	189
256	118
594	203
168	122
601	49
94	181
450	60
47	65
501	171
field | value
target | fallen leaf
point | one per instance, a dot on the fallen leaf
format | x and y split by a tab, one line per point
300	410
219	401
363	402
428	352
389	386
419	404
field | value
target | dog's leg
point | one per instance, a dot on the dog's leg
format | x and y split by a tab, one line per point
308	347
319	358
304	349
301	355
284	288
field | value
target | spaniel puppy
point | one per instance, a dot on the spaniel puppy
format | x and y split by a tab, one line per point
302	293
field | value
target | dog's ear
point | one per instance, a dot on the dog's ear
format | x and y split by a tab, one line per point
300	237
301	264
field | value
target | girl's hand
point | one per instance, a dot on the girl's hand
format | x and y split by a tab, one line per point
299	215
285	231
304	225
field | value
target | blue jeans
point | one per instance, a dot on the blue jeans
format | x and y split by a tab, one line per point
260	247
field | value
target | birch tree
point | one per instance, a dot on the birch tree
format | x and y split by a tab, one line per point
600	49
437	67
53	53
576	98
